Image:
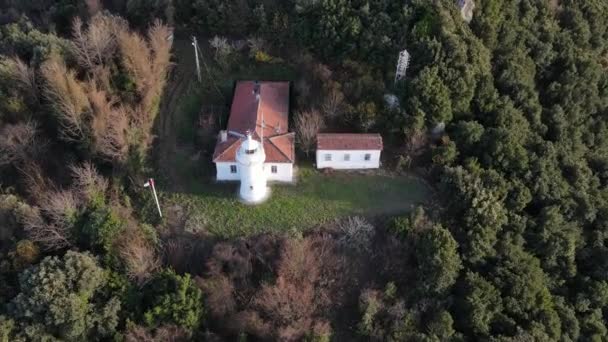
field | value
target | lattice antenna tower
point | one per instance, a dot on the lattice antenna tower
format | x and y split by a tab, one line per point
402	64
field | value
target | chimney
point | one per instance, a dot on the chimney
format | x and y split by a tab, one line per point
223	136
256	90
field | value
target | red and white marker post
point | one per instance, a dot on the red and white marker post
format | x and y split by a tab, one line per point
150	183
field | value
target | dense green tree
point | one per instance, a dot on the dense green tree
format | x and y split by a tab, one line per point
555	241
430	96
479	211
438	262
65	298
479	305
527	301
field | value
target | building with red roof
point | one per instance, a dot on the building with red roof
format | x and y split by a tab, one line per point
260	109
348	150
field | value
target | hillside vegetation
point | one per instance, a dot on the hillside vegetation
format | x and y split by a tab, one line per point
513	248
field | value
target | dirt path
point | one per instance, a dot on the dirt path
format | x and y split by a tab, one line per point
181	76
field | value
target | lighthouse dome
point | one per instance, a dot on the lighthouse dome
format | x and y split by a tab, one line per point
250	152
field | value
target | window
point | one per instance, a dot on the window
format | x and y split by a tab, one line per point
368	157
327	157
250	151
232	168
273	169
346	157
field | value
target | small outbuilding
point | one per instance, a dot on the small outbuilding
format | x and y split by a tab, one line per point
348	151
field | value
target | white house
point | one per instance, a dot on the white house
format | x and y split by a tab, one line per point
345	151
258	116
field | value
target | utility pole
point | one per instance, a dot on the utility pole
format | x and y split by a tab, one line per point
150	183
198	66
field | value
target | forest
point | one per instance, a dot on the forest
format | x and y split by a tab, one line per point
512	247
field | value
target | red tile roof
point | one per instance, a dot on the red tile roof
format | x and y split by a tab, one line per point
246	115
349	141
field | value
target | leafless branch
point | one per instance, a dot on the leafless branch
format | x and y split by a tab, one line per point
18	142
307	125
68	98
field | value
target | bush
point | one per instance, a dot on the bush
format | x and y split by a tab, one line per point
173	299
100	227
26	253
262	57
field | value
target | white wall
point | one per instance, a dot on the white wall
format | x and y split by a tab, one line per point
284	172
357	159
223	171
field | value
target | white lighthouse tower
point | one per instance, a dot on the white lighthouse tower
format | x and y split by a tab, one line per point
250	158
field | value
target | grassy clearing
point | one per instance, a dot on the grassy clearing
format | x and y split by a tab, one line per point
315	199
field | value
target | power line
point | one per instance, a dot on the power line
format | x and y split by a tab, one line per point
198	52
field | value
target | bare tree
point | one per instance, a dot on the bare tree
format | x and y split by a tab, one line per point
148	63
222	47
109	126
23	76
50	223
139	256
307	125
160	46
288	305
68	98
48	235
18	142
136	58
333	103
33	178
293	303
97	43
357	233
87	182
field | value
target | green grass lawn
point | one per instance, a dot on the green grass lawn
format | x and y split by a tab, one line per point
315	199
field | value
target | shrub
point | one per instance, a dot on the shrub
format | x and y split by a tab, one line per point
384	317
26	253
262	57
100	227
173	299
